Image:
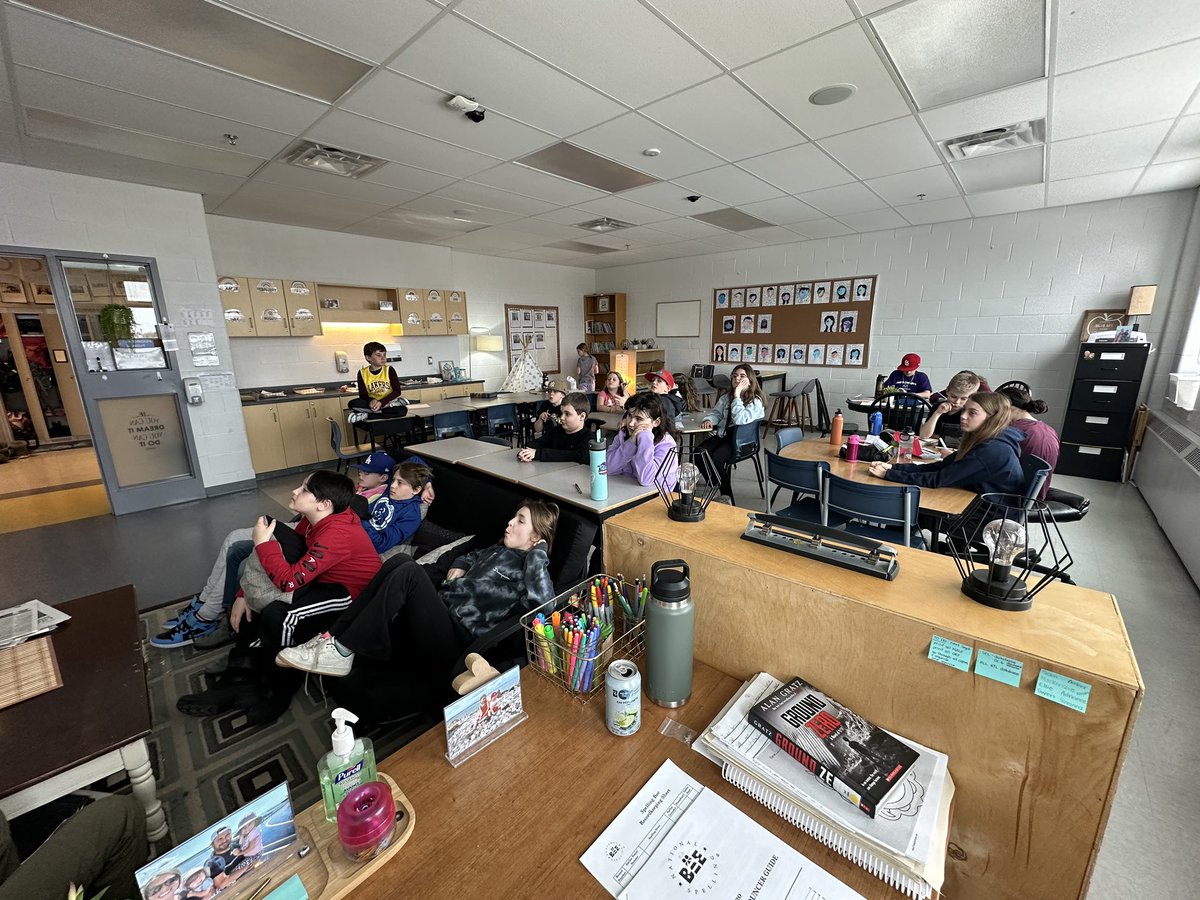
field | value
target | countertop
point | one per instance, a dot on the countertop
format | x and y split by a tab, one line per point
252	395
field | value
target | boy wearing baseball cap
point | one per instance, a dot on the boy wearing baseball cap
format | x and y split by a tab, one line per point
663	384
907	377
374	472
548	410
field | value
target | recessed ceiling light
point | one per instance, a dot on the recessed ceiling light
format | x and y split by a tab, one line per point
332	160
651	151
831	94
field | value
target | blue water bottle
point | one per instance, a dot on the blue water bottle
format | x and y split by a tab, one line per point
876	422
598	457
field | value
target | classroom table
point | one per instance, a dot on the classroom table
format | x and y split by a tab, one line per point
573	486
382	426
456	449
513	820
947	501
505	466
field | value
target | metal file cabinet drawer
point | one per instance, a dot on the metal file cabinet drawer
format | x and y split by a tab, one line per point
1120	362
1105	429
1087	461
1104	396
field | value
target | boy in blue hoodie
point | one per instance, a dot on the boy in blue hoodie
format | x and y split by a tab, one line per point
395	518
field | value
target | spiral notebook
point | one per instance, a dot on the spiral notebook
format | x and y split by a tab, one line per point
904	846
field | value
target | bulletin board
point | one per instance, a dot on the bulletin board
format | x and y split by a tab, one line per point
826	322
536	328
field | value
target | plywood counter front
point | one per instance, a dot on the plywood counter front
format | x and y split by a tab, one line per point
1035	780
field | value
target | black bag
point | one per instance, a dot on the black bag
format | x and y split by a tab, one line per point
867	453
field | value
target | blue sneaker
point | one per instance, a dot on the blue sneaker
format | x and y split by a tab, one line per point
184	633
193	607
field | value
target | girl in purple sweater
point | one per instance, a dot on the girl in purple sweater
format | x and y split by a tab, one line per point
645	439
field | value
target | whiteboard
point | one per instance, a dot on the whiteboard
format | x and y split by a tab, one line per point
679	318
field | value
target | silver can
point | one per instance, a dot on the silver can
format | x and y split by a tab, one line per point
623	688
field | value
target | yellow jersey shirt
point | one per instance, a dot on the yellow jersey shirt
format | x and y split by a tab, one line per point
378	384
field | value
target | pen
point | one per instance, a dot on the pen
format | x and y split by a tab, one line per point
258	890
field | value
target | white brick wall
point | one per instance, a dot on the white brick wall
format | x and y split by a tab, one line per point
1002	295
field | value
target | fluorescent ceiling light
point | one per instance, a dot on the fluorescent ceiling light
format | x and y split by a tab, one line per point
947	50
581	247
732	219
996	171
585	167
332	161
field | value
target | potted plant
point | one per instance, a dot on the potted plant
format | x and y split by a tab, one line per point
116	323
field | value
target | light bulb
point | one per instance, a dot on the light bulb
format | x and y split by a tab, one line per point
689	475
1004	538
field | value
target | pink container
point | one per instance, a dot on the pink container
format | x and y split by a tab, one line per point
852	448
366	821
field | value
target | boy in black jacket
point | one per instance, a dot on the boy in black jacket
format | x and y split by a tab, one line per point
568	442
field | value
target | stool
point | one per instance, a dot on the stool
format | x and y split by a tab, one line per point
792	407
705	391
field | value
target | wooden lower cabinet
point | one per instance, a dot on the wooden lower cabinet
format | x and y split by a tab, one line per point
287	435
266	441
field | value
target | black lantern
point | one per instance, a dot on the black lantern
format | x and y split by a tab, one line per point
1007	548
690	505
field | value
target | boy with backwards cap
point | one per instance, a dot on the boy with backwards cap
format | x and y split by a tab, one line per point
662	383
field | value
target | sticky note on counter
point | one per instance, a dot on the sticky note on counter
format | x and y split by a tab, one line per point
292	889
999	668
950	653
1063	690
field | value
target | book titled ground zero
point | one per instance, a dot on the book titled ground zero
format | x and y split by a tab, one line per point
860	761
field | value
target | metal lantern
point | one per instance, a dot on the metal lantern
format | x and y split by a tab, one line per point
689	505
1007	548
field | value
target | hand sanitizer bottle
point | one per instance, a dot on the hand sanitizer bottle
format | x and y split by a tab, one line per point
350	763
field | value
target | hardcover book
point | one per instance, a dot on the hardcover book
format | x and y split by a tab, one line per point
860	761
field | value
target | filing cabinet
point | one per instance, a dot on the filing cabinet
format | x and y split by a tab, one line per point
1095	435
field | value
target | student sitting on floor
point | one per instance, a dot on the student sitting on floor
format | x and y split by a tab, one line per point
379	387
986	460
569	441
481	590
908	378
741	404
947	408
395	517
1041	440
663	384
613	395
645	439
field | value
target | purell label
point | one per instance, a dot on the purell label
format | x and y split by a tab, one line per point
343	778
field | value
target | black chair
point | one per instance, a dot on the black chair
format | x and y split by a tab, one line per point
803	477
785	436
502	421
901	412
1065	506
335	442
882	512
1036	470
1016	384
746	446
722	383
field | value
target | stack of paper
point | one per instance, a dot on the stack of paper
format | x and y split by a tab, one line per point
905	844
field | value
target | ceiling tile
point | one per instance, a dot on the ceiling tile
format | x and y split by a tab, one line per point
731	186
685	227
726	240
872	221
460	58
408	178
373	30
350	132
1170	177
722	116
396	100
736	33
1016	104
1128	148
782	211
275	203
8	118
62	48
1133	91
845	198
472	194
1102	30
324	183
797	169
773	235
523	180
672	197
1183	142
625	138
930	211
1091	187
820	228
453	210
618	46
624	210
934	182
397	231
550	230
907	148
569	215
10	149
499	237
844	56
643	236
994	203
93	103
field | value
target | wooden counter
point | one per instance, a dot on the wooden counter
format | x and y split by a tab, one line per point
1035	780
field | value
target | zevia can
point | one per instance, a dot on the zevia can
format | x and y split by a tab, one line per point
623	686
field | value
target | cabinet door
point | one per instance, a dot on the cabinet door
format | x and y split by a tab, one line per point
457	390
235	300
300	300
456	312
324	409
266	441
435	312
296	426
270	307
412	312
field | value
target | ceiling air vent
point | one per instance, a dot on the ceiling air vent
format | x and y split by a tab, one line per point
995	140
331	160
603	225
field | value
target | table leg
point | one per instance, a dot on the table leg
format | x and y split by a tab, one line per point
136	759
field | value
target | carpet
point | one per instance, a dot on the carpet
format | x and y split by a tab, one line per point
207	768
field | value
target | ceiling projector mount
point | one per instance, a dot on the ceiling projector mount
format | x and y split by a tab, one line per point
468	106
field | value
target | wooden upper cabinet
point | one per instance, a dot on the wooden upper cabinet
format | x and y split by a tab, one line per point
435	312
270	307
300	298
412	311
456	312
235	301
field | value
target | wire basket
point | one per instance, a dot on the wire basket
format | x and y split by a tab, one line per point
579	668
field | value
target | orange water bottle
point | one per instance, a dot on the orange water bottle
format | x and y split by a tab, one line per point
835	432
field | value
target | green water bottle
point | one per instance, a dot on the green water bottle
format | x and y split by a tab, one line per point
670	628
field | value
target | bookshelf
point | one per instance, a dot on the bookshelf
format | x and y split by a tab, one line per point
604	321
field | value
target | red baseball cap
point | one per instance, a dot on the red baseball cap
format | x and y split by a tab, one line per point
910	363
664	376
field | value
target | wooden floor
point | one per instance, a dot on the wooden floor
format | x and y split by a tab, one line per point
50	488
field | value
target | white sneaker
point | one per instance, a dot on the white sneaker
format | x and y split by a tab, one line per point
319	656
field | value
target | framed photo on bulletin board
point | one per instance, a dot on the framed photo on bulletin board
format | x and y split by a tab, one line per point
819	322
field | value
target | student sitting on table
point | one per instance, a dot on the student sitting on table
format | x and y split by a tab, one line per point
986	460
569	441
907	378
482	589
546	414
379	386
612	396
741	404
662	383
645	439
1041	440
947	407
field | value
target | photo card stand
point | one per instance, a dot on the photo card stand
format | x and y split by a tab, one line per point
483	716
